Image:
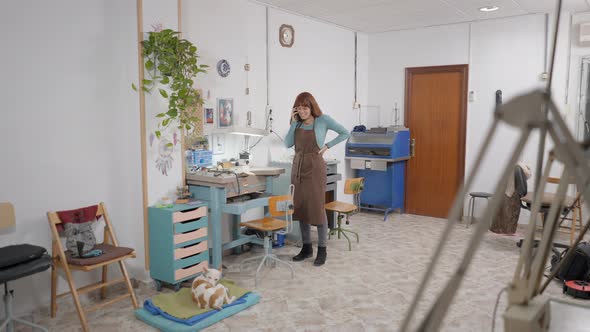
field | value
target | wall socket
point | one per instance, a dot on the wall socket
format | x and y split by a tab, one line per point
544	76
356	105
268	117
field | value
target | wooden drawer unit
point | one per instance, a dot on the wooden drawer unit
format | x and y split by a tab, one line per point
179	248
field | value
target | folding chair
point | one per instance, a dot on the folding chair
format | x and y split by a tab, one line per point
112	253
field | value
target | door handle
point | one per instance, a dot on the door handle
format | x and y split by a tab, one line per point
412	147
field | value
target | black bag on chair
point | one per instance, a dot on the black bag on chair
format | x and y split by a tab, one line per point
18	254
577	267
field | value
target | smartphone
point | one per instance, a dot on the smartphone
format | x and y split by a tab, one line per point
297	116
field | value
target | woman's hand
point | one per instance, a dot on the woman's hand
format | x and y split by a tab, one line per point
294	117
322	150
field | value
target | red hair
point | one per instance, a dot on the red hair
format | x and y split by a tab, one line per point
306	99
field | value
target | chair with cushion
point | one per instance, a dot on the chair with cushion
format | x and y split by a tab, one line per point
67	260
351	187
18	261
279	206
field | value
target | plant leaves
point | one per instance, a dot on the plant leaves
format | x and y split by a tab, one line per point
133	87
169	145
158	134
173	62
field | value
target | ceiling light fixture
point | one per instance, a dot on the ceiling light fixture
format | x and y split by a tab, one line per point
489	8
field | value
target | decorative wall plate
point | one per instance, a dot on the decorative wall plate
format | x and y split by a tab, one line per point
286	35
223	68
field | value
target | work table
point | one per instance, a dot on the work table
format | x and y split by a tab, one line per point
232	192
223	177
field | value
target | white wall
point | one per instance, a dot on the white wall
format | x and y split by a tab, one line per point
390	53
70	122
506	54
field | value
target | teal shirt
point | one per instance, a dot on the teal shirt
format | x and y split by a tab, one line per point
322	125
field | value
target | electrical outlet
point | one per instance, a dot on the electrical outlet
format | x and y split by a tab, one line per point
356	105
544	76
268	117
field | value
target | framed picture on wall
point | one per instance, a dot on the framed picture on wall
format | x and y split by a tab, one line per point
208	115
218	144
225	112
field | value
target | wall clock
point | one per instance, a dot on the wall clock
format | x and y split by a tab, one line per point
286	35
223	68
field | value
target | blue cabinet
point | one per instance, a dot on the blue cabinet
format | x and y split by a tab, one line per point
384	190
178	242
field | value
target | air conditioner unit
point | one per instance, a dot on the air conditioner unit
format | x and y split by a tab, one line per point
584	32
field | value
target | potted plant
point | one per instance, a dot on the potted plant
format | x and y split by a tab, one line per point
172	63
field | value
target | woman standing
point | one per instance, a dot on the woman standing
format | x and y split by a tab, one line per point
308	133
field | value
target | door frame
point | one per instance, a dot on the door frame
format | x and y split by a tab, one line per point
464	71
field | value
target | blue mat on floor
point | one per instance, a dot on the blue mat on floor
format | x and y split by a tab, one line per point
168	325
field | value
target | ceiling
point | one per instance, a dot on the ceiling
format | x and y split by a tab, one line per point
373	16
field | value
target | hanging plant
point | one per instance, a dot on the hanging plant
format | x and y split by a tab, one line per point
172	62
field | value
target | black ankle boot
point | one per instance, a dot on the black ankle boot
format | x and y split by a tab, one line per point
321	257
306	252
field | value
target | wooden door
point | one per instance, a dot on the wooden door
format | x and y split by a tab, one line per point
436	113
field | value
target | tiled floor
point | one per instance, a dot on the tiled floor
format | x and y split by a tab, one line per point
367	289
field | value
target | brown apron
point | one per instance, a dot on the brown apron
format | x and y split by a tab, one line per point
309	177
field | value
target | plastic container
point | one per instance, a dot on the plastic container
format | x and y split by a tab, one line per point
278	240
200	158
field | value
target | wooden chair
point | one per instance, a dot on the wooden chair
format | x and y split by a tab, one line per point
279	206
353	187
112	253
570	204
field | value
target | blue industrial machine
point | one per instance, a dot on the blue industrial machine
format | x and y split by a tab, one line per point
379	155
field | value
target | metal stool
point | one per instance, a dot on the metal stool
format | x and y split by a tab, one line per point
471	205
